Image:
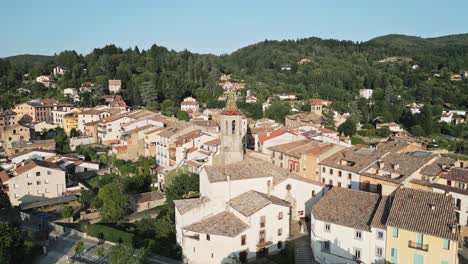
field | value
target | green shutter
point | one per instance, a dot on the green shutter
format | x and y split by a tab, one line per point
444	262
418	259
446	244
419	239
394	256
395	232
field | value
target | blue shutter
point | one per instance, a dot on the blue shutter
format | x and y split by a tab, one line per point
395	232
418	259
394	256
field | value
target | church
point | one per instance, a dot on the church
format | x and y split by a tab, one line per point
246	204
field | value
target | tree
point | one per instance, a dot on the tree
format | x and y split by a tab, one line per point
79	248
101	251
181	185
348	128
115	203
328	118
86	198
182	115
67	211
75	133
4	201
11	244
278	111
125	254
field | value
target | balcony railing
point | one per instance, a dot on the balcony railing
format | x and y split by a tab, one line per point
418	246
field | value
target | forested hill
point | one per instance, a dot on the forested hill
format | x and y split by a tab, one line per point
310	67
403	41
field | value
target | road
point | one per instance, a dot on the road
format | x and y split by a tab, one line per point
62	249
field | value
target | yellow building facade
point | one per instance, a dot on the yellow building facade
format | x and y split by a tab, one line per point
408	247
70	121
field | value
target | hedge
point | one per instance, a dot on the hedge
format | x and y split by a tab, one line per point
110	234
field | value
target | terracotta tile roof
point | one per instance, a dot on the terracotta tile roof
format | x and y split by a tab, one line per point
275	133
213	143
249	168
457	174
4	177
30	164
250	202
347	207
425	212
398	166
187	205
437	166
187	137
356	159
306	117
204	123
222	224
297	148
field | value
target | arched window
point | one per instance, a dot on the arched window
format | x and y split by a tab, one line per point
233	127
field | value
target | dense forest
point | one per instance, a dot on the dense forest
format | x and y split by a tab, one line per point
333	70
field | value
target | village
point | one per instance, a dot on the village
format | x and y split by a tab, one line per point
264	189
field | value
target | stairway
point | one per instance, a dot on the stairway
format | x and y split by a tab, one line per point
303	251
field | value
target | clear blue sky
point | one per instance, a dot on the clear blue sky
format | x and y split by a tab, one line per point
209	26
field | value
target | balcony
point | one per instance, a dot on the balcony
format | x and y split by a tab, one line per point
418	246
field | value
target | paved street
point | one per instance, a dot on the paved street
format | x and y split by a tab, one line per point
62	249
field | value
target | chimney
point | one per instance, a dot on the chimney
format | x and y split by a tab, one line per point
396	166
380	163
432	207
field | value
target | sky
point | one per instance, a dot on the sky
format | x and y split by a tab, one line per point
208	26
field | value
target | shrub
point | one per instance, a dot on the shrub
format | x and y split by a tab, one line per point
109	234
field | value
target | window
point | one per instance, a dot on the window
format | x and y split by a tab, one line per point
323	180
358	235
357	253
262	221
326	246
331	171
301	213
49	172
207	237
280	215
339	173
339	184
378	252
280	244
349	176
330	182
395	232
327	228
323	169
29	183
288	187
349	186
449	183
313	193
380	235
243	240
280	231
446	244
38	173
38	182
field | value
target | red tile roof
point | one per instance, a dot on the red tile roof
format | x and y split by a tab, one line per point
275	133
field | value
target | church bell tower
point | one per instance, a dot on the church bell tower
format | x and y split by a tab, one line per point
231	125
